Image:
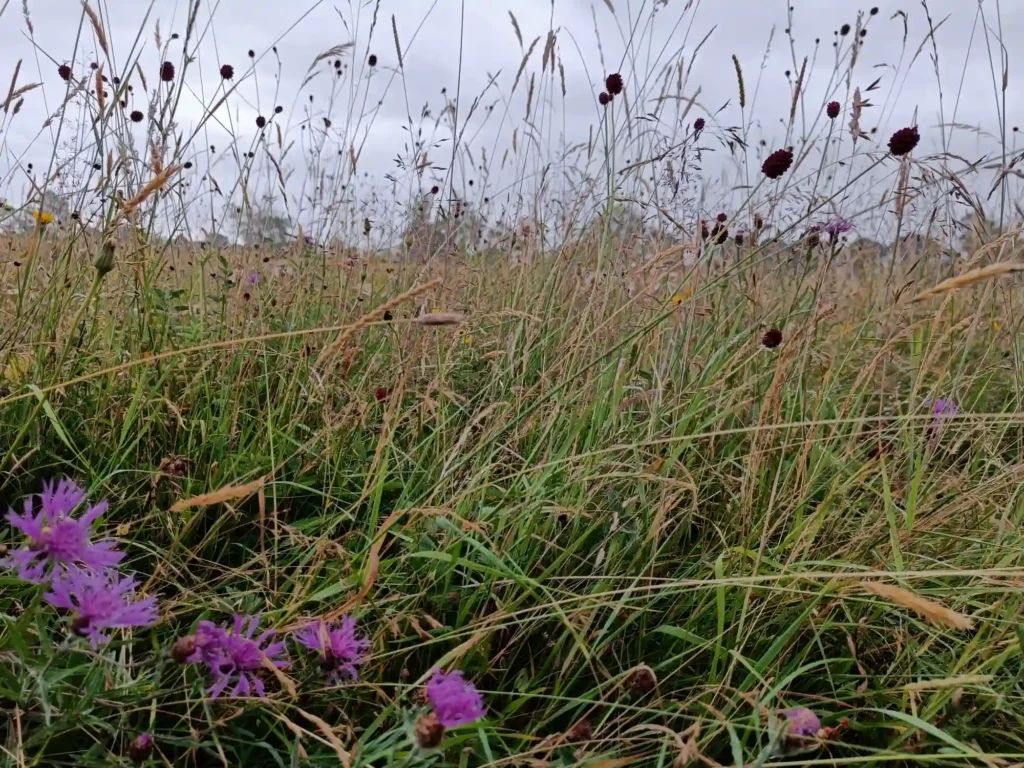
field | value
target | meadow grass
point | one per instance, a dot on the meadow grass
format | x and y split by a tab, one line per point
581	471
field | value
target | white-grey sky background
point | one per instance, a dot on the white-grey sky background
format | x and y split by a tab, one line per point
438	37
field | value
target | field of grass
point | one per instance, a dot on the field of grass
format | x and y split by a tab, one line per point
654	492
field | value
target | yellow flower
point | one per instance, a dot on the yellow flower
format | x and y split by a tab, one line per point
43	217
679	298
467	339
995	325
17	368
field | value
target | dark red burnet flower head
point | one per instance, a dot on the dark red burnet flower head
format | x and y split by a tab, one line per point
227	71
372	61
719	234
260	121
772	338
903	141
832	110
167	71
380	394
613	84
603	99
698	125
137	116
64	71
777	163
722	218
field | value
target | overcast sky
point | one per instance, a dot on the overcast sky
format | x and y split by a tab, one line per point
443	38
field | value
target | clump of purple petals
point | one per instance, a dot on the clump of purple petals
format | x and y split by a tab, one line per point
801	722
834	227
233	655
341	648
101	601
455	700
57	540
943	408
253	278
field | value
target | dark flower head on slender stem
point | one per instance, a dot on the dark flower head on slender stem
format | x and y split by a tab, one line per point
832	109
698	125
340	647
772	338
260	121
604	99
141	748
372	60
65	72
167	71
100	600
227	71
613	84
777	163
57	540
234	655
455	700
137	116
903	141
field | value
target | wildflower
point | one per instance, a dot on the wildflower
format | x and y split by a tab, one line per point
832	109
141	748
640	681
942	411
380	394
434	189
341	647
260	121
454	700
698	126
603	99
719	234
136	116
227	71
582	731
801	722
836	227
235	654
43	217
679	298
739	238
278	109
183	648
613	84
372	60
995	325
777	163
101	600
844	30
772	338
903	141
167	71
58	540
252	54
428	731
722	218
253	278
65	72
874	11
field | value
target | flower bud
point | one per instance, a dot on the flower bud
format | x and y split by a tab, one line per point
105	261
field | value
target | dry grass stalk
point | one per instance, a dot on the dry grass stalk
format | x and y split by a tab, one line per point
797	90
439	318
16	94
94	19
101	100
932	611
227	493
351	330
948	682
398	46
970	277
155	184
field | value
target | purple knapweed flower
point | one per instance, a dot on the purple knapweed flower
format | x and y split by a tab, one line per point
100	600
943	410
836	227
56	539
341	647
801	722
253	278
455	701
231	654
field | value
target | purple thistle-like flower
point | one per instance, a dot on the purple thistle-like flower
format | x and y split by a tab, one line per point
57	539
801	722
837	226
455	701
100	600
253	278
235	654
943	408
341	647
